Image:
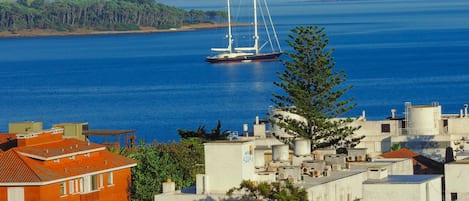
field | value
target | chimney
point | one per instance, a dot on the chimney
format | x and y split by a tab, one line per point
377	173
245	130
393	113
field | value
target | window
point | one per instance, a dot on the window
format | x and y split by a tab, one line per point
63	188
77	187
454	196
110	179
71	186
94	182
385	128
15	194
82	185
101	181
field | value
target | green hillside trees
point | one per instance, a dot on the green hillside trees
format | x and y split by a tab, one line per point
67	15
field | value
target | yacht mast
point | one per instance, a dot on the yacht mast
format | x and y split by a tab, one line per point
256	35
228	49
230	36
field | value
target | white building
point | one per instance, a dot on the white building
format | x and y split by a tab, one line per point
380	186
324	174
456	178
340	185
227	163
423	129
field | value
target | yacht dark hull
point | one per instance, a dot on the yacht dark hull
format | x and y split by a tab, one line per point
245	58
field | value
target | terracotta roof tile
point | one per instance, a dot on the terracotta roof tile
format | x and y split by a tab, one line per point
422	164
15	167
401	153
59	148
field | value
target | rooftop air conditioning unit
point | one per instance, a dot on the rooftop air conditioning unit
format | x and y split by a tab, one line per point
306	171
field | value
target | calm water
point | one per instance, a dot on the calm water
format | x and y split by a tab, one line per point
392	51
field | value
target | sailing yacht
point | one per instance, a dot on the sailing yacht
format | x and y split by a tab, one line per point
247	54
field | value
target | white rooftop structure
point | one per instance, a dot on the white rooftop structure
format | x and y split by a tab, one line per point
324	174
422	128
403	187
456	176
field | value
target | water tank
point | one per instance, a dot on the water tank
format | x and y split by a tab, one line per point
259	160
302	147
280	152
423	120
280	131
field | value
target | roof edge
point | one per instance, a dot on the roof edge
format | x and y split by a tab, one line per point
61	156
67	178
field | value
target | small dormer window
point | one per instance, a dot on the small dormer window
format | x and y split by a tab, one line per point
72	157
87	155
56	160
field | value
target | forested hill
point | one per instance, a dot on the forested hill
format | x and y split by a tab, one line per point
100	15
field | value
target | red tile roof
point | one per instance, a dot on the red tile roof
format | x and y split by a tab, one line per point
59	149
15	167
401	153
422	164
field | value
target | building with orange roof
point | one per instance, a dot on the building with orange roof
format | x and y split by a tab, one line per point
422	164
44	166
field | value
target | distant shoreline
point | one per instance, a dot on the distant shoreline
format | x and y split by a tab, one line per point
83	32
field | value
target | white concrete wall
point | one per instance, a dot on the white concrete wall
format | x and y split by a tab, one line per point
348	188
267	142
277	130
425	191
393	192
398	166
434	190
456	179
370	128
259	130
458	126
424	120
227	164
375	145
375	141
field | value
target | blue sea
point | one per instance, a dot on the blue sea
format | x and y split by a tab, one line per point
393	51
